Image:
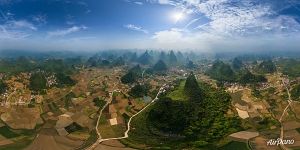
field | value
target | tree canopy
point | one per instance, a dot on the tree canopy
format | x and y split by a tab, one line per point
221	72
237	64
132	75
196	121
145	58
248	77
3	87
192	89
139	90
37	82
160	66
190	65
295	93
267	66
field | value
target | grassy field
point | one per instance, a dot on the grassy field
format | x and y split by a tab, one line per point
178	93
90	141
236	96
21	138
235	145
6	132
19	144
108	131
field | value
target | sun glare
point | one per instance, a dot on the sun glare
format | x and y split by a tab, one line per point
177	16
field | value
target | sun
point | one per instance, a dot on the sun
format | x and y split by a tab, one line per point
177	16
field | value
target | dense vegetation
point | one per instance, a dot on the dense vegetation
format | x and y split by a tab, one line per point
248	77
64	80
3	87
21	64
290	67
172	58
295	93
221	72
145	58
192	89
198	121
132	75
139	90
99	102
160	67
37	82
41	69
267	66
190	65
237	64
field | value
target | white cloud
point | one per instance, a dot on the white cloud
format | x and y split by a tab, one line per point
139	3
66	31
164	1
11	34
16	29
168	36
20	24
136	28
180	39
177	39
231	17
40	19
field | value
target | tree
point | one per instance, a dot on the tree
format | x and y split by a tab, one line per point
145	58
221	72
139	90
163	56
266	66
3	87
172	58
129	77
169	116
37	82
192	89
248	77
160	66
190	65
132	75
119	61
295	93
237	64
64	80
99	102
203	121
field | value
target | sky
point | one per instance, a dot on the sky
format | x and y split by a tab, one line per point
199	25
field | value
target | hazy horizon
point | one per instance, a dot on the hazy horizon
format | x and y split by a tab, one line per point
191	25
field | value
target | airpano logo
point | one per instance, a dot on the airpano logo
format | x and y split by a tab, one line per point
280	141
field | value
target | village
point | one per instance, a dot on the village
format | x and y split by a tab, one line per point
71	117
67	117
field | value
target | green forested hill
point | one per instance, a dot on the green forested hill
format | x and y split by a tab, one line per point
199	122
221	71
290	67
295	93
160	66
132	75
266	66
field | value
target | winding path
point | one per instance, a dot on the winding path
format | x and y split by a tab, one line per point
283	114
100	140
